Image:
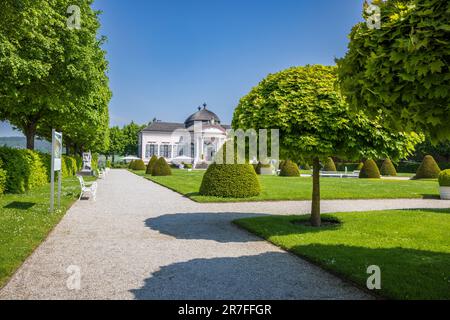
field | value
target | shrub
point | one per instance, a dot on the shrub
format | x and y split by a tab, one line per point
387	168
24	169
329	165
161	168
108	163
360	166
370	170
306	166
259	165
289	169
131	165
429	169
139	165
2	178
150	164
444	178
230	181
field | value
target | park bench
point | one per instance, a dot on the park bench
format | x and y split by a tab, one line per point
92	189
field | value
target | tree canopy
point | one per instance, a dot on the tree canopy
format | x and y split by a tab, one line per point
315	122
402	68
53	76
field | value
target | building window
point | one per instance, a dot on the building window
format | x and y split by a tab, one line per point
192	151
151	150
165	151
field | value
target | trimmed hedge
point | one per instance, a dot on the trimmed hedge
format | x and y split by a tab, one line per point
329	165
161	168
444	178
26	169
429	169
150	164
230	181
388	169
370	170
2	178
139	165
289	169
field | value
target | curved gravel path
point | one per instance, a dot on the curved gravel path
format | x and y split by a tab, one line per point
143	241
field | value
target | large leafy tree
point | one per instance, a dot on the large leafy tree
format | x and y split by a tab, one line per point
315	122
402	68
131	138
117	142
53	76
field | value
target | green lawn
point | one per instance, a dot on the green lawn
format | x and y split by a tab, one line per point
411	247
284	188
25	222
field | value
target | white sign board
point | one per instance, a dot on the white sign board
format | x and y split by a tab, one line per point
57	148
57	151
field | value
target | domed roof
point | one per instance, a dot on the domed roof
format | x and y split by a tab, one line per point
203	115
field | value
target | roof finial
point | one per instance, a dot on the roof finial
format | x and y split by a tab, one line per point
204	105
199	108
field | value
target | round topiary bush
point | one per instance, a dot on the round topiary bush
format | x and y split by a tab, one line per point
370	170
329	165
161	168
150	164
139	165
131	165
230	181
289	169
444	178
388	169
429	169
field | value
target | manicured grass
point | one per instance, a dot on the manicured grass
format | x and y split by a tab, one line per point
410	246
25	222
287	188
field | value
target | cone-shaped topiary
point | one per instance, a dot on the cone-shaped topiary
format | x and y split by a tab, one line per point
139	165
161	168
360	166
444	178
388	169
329	165
131	165
370	170
289	169
230	181
150	164
429	169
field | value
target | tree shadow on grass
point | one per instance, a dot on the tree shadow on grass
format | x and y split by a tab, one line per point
270	275
18	205
405	273
206	226
430	196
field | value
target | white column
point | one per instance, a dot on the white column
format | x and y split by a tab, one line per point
159	146
172	155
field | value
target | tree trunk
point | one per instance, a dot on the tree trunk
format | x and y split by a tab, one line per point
315	209
30	134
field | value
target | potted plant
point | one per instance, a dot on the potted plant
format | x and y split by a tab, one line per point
444	183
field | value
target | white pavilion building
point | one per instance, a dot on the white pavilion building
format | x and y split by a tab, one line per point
195	141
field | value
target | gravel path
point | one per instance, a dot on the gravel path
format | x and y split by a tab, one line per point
143	241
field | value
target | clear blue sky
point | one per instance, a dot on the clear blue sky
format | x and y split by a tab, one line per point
169	56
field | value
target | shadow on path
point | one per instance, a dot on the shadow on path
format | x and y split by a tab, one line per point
271	275
205	226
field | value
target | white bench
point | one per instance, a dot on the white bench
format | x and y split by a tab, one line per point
92	189
337	174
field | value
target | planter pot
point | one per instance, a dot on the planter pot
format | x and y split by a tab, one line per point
445	193
266	171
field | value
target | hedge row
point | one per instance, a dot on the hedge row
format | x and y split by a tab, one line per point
26	169
2	178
